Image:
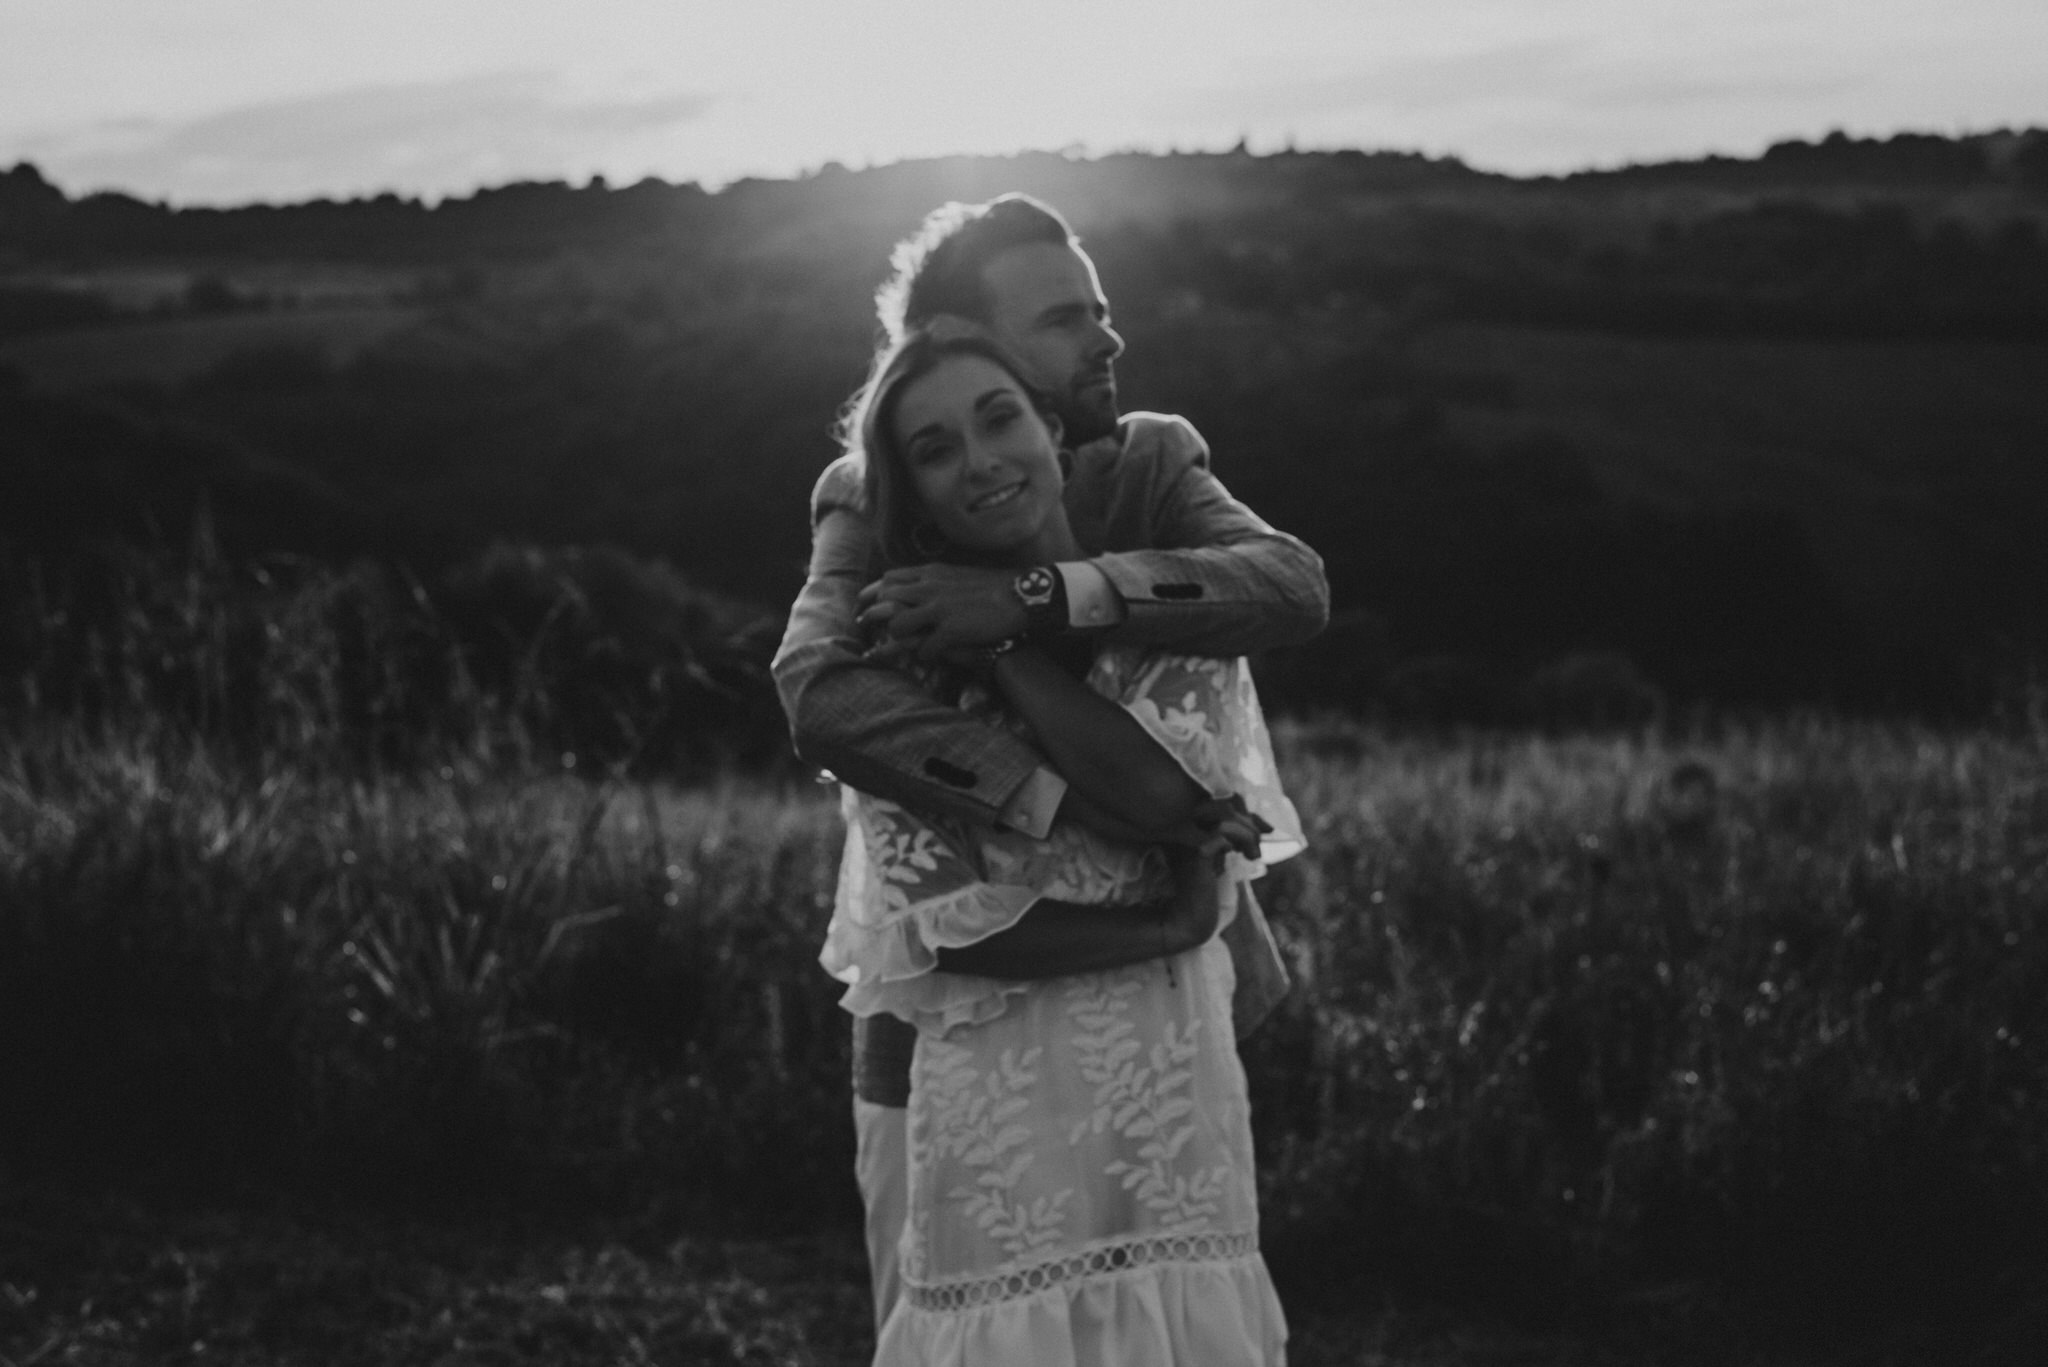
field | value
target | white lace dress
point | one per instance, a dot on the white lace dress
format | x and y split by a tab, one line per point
1081	1186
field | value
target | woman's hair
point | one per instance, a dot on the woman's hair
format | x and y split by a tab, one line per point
902	531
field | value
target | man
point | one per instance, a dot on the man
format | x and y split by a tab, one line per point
1176	562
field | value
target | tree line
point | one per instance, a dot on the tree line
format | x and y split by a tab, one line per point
656	369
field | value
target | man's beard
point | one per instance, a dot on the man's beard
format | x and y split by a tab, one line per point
1088	409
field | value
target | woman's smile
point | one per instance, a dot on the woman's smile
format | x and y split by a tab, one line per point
996	499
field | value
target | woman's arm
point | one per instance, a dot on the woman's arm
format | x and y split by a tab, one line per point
1108	760
1054	939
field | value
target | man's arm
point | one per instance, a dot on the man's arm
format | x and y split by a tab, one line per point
1216	579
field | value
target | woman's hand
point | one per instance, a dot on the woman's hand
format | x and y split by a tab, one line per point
1215	827
1221	825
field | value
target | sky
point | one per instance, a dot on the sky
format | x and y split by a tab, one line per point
232	101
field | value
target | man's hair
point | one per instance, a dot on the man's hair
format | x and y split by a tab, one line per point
938	268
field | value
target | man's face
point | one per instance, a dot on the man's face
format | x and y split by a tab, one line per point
1047	306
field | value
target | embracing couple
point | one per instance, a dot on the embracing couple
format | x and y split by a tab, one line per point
1020	647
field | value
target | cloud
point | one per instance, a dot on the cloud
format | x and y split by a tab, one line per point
413	138
1561	73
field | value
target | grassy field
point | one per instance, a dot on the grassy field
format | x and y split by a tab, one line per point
115	1283
1717	1048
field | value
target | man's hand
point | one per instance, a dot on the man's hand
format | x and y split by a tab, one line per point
928	611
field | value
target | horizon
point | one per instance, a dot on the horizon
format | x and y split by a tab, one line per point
598	181
226	102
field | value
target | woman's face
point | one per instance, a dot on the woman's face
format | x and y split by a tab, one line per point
984	464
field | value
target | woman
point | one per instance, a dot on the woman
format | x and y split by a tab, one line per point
1081	1170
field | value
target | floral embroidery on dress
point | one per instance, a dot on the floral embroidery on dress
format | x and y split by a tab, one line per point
1143	1094
974	1121
900	850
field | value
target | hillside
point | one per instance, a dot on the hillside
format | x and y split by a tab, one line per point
1772	429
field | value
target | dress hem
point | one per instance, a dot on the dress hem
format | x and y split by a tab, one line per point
1155	1315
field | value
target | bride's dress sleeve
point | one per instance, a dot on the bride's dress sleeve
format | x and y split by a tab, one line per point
910	886
1205	713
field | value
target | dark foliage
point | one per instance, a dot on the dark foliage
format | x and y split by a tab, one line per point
592	656
658	368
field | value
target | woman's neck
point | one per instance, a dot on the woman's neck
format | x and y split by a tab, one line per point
1054	542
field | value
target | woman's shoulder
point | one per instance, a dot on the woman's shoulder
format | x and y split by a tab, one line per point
841	485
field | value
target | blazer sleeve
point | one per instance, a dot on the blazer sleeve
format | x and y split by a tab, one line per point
873	726
1218	580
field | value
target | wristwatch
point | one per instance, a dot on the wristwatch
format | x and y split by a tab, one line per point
1043	592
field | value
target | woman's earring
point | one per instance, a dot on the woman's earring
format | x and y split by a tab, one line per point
927	541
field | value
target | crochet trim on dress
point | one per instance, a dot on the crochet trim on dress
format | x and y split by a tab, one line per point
971	1292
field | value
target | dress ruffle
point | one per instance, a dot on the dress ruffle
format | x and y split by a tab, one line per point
1161	1315
910	886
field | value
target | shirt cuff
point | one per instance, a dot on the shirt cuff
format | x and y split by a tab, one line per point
1092	601
1031	808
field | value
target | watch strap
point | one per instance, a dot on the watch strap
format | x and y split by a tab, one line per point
1042	590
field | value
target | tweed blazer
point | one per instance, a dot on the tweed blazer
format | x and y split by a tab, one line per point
1197	570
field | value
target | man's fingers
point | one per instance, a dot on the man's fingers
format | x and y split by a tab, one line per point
876	615
912	621
899	586
893	619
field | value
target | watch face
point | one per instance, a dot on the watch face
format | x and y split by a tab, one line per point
1035	586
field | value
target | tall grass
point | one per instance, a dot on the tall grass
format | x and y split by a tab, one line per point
1765	1005
1768	1005
460	978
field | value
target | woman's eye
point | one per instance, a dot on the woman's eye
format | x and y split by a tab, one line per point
929	452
